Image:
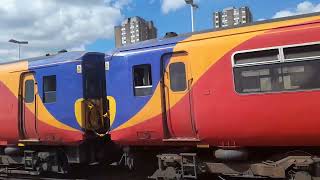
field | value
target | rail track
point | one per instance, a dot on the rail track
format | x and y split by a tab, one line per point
85	173
98	172
91	173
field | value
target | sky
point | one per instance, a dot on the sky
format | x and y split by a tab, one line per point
75	25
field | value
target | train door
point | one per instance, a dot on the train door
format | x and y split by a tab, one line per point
177	80
95	95
28	107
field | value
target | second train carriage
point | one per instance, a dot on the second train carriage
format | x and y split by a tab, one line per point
233	91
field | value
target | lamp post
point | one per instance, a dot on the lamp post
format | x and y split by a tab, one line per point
193	8
19	43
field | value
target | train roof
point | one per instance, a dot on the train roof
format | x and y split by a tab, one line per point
56	58
179	38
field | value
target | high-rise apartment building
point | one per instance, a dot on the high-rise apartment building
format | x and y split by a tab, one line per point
232	16
134	29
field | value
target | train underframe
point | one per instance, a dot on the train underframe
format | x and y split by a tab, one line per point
251	163
35	159
167	162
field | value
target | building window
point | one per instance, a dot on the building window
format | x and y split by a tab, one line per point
29	91
142	80
178	79
49	89
299	69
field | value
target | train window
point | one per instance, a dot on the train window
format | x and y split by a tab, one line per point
142	80
299	69
302	51
49	89
256	56
302	75
256	79
178	80
29	91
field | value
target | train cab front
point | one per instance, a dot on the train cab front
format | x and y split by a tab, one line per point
95	120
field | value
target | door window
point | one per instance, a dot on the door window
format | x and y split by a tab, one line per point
94	79
178	78
29	91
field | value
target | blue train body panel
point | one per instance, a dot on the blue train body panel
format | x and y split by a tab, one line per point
120	75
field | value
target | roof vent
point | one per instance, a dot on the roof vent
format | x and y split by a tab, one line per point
62	51
170	34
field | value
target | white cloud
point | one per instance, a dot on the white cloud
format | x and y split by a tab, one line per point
173	5
52	25
302	8
119	3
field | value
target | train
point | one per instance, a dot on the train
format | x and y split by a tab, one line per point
238	102
234	102
53	113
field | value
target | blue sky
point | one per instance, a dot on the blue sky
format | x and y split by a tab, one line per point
179	20
77	25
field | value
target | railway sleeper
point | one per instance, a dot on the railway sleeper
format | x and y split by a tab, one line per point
189	166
